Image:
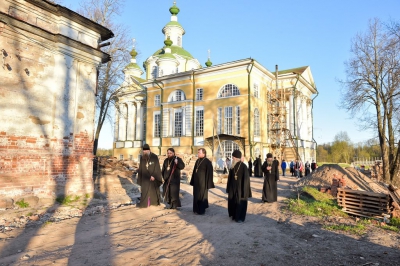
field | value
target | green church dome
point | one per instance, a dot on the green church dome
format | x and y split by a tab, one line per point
174	10
176	50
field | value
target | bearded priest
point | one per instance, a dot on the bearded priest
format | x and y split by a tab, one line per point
238	188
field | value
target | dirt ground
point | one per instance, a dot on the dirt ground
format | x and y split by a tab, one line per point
158	236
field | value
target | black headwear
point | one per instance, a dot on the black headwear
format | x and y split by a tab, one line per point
237	154
146	147
269	155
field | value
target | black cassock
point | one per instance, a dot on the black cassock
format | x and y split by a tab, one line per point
270	187
257	168
250	167
238	192
202	180
150	189
171	193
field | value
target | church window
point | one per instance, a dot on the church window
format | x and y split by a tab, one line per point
228	120
199	122
199	94
256	91
219	120
178	123
228	147
176	96
157	100
228	90
154	72
257	131
157	125
237	120
179	42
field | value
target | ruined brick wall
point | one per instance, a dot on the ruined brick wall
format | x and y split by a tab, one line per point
47	103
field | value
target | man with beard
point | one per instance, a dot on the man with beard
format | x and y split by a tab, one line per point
171	173
149	178
257	167
238	188
271	176
202	180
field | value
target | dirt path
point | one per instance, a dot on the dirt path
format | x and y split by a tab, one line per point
157	236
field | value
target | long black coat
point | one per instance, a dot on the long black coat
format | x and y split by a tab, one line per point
270	187
150	189
257	168
238	191
202	180
171	192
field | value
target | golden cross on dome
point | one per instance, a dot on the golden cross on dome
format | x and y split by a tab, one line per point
209	53
134	42
174	2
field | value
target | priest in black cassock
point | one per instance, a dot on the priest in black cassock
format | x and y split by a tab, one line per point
238	188
171	173
149	178
202	180
271	176
257	167
250	167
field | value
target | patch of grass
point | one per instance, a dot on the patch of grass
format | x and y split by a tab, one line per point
357	229
22	204
87	196
47	223
29	214
390	228
66	200
315	203
395	221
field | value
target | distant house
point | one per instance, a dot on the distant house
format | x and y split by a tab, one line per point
49	58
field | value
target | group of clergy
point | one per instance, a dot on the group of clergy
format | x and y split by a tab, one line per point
151	176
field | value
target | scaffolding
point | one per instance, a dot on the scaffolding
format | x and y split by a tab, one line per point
281	142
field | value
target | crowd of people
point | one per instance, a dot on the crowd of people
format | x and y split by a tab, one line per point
151	176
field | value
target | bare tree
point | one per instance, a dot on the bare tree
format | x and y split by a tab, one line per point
110	74
372	88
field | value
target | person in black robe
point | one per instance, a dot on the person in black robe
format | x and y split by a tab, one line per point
238	188
257	167
250	167
171	173
202	180
271	176
149	178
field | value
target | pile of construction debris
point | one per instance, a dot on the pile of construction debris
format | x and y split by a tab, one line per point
357	193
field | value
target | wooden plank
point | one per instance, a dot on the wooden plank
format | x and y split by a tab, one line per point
359	192
357	207
346	194
367	215
354	199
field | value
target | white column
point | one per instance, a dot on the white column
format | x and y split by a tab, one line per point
116	126
139	120
131	121
122	122
290	115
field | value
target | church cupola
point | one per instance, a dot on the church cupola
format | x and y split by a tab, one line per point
174	29
133	69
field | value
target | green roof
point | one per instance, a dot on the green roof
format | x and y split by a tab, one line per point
176	50
167	56
133	65
172	23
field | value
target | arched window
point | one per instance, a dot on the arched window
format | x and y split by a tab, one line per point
257	130
227	148
154	72
177	96
179	41
228	90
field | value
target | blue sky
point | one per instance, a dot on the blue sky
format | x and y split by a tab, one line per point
287	33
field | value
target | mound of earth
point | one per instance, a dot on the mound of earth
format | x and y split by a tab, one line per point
354	179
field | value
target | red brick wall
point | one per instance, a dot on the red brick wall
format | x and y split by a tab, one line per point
45	167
